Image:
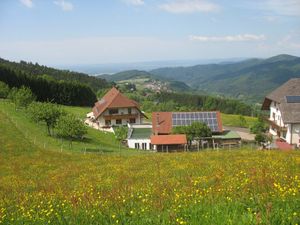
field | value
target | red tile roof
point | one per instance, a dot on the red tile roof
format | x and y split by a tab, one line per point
176	139
162	122
113	99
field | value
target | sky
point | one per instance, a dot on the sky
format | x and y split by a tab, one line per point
62	32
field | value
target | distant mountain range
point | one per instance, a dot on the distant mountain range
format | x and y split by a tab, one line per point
248	80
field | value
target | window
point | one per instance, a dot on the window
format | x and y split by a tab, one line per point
144	146
137	146
273	116
129	110
113	111
132	120
118	121
107	122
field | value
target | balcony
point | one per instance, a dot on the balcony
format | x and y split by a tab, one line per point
274	124
120	116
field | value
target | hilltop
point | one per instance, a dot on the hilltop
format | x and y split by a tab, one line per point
144	79
248	80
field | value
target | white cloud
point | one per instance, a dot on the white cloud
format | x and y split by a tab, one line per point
64	5
134	2
282	7
189	6
239	37
291	40
27	3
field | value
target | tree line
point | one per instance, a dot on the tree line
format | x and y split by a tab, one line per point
47	89
165	101
34	69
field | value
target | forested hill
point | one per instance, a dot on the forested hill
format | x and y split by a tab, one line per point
247	80
35	69
146	79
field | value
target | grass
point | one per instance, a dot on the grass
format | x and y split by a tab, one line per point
234	120
45	186
95	141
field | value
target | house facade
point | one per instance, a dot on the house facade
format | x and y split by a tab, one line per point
284	107
138	136
115	109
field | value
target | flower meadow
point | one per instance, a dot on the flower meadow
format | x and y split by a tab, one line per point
45	186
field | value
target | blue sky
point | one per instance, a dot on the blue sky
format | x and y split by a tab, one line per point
56	32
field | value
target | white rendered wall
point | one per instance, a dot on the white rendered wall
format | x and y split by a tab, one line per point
278	119
121	111
132	142
293	134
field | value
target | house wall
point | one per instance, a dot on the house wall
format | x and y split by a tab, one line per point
122	111
133	142
274	111
275	116
293	134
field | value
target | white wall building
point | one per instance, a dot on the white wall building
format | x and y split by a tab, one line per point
115	109
284	107
139	136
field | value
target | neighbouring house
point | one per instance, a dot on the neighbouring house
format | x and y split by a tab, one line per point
227	138
139	136
163	122
284	106
115	109
169	143
158	135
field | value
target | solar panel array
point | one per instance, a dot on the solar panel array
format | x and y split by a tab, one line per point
187	118
293	99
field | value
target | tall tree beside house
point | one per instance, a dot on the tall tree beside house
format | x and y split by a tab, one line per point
70	128
47	113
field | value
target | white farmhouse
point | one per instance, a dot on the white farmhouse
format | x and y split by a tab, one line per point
284	106
115	109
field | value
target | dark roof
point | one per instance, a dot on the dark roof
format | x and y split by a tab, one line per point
291	87
113	99
162	122
290	111
175	139
141	133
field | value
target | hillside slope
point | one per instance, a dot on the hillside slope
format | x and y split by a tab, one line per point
248	80
41	186
147	80
35	69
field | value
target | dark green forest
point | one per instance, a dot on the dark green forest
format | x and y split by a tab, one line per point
46	88
34	69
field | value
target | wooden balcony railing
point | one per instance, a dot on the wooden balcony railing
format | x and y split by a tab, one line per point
274	124
120	116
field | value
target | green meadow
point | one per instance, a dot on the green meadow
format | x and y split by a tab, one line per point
42	183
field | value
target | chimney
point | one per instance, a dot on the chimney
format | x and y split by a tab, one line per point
157	124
